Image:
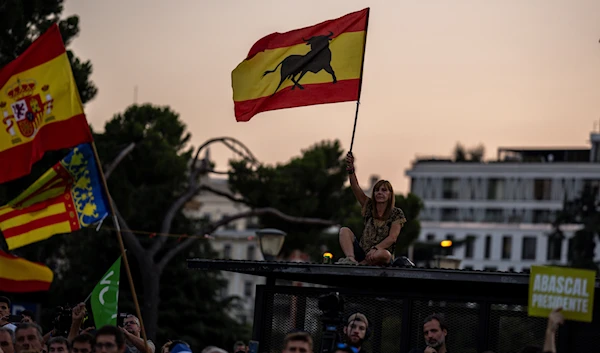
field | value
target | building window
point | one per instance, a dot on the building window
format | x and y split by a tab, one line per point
528	249
252	223
430	237
450	188
506	247
554	248
470	246
248	289
494	215
250	252
542	216
495	189
227	251
490	268
449	214
488	246
542	189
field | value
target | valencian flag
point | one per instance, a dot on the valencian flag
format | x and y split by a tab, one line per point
308	66
40	106
18	275
66	198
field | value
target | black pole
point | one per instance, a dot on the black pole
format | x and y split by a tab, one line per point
362	65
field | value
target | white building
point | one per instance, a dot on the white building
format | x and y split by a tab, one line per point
503	206
236	241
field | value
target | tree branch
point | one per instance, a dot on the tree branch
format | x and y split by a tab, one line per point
208	229
111	167
170	215
130	239
225	194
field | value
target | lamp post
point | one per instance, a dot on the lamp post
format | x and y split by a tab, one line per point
271	241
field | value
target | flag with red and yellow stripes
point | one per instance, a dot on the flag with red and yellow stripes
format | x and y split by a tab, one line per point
313	65
40	106
66	198
18	275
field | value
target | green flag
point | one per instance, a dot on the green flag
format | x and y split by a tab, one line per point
105	297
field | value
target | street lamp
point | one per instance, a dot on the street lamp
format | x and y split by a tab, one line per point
271	241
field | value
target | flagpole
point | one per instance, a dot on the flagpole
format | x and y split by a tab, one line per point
362	65
121	245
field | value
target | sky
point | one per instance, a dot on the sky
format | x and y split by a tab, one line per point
436	72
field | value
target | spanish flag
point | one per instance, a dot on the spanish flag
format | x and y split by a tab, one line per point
18	275
66	198
308	66
40	106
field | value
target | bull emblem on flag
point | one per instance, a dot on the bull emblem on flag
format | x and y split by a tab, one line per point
294	67
27	111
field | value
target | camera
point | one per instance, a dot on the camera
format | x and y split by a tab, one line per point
121	319
62	321
332	308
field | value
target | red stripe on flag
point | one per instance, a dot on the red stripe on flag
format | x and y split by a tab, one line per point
47	47
32	208
14	286
53	136
353	22
321	93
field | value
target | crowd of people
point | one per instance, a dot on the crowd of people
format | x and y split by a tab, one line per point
22	334
435	333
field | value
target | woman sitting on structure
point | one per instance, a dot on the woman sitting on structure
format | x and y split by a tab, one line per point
382	224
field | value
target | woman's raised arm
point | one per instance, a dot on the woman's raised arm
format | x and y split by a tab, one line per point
356	189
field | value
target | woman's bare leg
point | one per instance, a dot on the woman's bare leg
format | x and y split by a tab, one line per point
347	241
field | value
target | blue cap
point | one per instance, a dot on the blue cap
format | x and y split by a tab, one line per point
180	348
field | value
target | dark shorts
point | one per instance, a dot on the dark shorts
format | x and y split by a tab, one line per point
359	253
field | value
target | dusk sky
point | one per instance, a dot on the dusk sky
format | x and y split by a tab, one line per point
497	72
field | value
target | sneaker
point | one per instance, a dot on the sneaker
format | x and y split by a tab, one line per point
347	261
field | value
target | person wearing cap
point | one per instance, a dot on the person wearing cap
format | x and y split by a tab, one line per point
180	347
356	331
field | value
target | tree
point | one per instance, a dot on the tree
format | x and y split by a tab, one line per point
21	22
460	154
162	176
584	210
311	185
474	154
314	185
155	179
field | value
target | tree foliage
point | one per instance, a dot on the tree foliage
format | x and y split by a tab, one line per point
583	210
311	185
21	22
473	154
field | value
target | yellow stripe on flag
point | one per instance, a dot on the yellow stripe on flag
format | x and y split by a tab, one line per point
38	234
30	217
346	59
18	269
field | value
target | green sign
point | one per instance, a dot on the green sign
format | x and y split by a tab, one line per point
105	297
569	288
